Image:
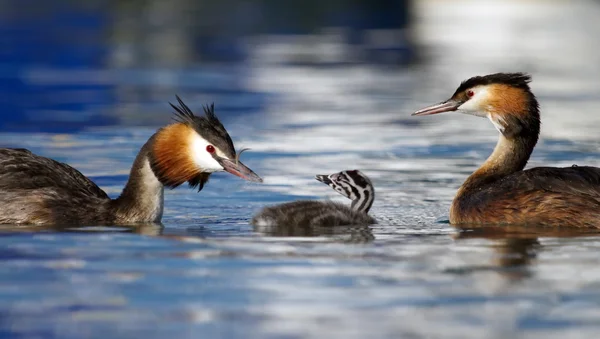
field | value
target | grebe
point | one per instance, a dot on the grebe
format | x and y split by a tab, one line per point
351	184
39	190
500	191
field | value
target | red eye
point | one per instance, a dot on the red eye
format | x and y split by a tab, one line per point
210	149
470	93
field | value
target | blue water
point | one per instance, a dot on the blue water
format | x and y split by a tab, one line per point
207	273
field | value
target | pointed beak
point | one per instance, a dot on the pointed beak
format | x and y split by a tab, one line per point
323	178
446	106
239	170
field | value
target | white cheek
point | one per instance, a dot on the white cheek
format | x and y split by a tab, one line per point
477	104
202	158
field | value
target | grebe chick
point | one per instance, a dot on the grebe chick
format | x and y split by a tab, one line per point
500	191
351	184
39	190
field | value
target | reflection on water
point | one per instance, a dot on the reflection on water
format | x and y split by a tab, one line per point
511	255
515	255
297	285
151	229
350	234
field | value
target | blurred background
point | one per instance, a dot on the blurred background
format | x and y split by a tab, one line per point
67	65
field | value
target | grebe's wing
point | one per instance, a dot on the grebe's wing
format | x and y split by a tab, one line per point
544	196
22	170
575	180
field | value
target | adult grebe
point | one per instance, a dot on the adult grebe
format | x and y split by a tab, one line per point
500	191
39	190
351	184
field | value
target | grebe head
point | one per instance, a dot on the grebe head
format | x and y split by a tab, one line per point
352	184
193	148
504	98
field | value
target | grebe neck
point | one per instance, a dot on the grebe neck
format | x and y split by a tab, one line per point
509	156
364	200
142	198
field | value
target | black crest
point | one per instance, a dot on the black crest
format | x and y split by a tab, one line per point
208	126
519	80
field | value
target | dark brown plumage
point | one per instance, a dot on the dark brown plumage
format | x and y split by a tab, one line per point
543	196
311	213
35	189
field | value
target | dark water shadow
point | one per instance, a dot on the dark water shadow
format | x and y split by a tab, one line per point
348	234
515	248
150	229
524	232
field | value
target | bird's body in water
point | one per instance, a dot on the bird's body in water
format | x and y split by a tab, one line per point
351	184
500	191
42	191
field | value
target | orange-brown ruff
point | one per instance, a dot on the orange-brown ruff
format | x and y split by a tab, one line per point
41	191
172	159
500	191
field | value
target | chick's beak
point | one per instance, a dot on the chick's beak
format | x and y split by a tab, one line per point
323	178
446	106
239	169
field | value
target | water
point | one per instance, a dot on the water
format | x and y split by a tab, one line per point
208	273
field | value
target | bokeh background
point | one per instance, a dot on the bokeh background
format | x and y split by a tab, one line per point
70	65
312	87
